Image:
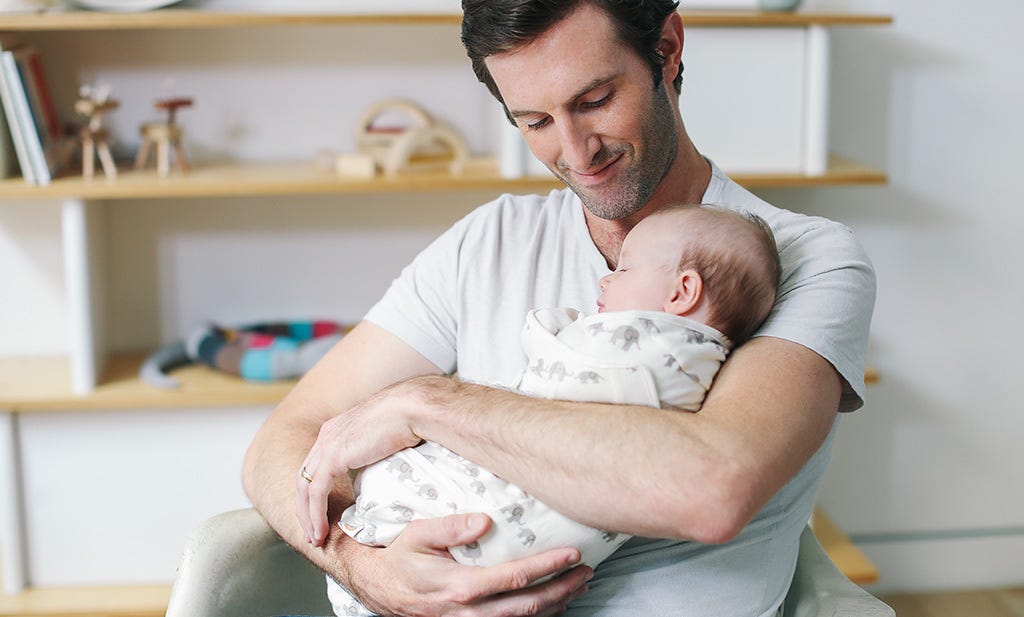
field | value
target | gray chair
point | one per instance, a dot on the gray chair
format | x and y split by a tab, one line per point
234	565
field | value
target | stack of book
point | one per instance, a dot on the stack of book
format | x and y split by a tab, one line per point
30	131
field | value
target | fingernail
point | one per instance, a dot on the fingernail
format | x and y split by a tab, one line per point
474	521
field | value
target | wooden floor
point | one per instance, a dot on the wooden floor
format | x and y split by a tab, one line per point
985	603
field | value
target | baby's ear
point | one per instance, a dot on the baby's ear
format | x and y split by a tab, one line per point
687	293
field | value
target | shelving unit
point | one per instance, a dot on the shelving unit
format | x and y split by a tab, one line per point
151	600
301	178
176	19
87	380
35	385
87	353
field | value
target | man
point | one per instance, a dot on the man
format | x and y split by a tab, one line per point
593	87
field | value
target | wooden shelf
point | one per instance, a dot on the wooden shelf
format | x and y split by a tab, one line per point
151	600
302	178
191	18
844	553
43	384
871	375
287	178
127	601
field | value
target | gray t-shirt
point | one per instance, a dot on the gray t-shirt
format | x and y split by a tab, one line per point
459	304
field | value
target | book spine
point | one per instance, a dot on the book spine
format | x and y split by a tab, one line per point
35	111
13	123
49	110
7	155
33	145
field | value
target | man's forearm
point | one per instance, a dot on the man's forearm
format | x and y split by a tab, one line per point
271	464
647	471
576	457
366	360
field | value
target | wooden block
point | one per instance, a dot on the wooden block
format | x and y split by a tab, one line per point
356	165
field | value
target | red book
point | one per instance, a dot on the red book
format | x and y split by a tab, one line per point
41	100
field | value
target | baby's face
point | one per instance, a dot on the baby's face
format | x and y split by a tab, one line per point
645	278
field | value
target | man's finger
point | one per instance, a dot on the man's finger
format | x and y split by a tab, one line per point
302	507
440	533
318	490
549	598
521	573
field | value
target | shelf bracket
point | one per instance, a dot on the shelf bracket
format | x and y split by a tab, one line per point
816	100
82	276
13	555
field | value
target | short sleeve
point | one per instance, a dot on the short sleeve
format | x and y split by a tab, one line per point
420	307
825	300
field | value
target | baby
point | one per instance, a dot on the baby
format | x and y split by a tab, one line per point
691	282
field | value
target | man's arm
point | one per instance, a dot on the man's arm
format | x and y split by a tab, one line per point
699	476
415	571
366	360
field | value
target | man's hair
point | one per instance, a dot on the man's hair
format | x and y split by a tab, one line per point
496	26
738	261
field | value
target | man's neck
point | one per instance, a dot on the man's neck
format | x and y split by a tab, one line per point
685	183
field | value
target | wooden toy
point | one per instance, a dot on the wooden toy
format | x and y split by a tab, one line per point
164	135
425	143
93	136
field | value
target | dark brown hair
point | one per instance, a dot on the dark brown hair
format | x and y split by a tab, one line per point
495	26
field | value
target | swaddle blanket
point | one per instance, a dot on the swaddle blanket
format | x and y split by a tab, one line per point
632	357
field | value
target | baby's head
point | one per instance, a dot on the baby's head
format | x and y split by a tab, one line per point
707	263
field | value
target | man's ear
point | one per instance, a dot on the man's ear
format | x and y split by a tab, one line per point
687	295
671	46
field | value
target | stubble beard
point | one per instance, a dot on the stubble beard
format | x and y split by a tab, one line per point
633	185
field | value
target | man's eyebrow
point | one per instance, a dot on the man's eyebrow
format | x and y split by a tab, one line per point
596	83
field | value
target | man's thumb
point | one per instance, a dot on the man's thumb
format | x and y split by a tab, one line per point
452	530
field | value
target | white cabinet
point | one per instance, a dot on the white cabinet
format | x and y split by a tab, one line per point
103	476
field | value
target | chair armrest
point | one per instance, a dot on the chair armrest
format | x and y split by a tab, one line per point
819	589
234	565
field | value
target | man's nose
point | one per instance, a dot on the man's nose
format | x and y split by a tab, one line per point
579	146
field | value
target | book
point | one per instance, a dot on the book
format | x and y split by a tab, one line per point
30	65
57	149
14	123
34	166
8	159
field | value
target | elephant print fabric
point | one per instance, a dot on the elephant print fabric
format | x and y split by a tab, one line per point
627	357
630	357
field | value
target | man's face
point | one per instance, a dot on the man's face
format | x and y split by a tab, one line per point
586	105
646	273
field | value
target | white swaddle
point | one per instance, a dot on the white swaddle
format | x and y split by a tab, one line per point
629	357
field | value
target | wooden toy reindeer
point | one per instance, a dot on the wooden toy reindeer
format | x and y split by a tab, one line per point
93	103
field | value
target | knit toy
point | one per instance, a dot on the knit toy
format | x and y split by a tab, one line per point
256	352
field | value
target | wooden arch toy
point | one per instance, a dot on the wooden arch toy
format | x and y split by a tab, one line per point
424	143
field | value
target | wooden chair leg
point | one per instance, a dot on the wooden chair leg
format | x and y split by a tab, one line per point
88	152
163	155
179	155
143	153
109	169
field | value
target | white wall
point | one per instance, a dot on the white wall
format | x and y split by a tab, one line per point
927	476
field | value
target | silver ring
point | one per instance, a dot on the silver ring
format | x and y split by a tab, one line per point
308	477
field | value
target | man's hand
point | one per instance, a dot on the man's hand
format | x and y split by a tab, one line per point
417	574
364	434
